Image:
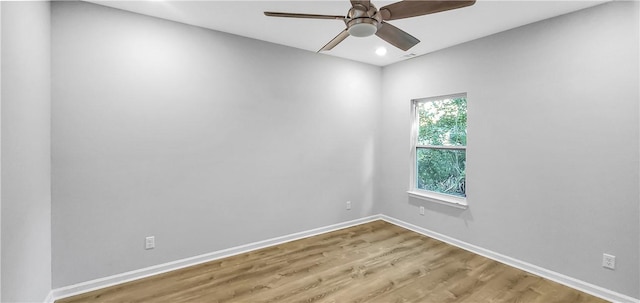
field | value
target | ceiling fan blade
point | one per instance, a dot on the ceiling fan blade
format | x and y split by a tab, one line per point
396	36
339	38
365	3
413	8
306	16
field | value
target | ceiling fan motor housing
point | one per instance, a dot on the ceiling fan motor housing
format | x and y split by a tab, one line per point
362	21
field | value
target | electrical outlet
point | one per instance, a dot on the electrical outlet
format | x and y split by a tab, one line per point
150	242
348	205
422	210
608	261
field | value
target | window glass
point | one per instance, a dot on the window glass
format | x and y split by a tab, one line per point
440	145
441	170
443	122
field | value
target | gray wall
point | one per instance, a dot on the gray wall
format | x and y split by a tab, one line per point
209	141
0	153
552	148
203	139
26	178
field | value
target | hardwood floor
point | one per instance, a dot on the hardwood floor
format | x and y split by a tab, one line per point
373	262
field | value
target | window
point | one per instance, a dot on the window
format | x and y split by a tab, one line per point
439	149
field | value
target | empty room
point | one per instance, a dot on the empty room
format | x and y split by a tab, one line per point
320	151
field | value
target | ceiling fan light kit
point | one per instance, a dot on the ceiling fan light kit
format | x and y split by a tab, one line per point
364	19
365	28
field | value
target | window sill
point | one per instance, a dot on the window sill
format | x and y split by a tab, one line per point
453	201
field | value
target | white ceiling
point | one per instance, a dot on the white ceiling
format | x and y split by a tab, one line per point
436	31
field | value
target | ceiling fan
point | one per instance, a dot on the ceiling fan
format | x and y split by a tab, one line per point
364	19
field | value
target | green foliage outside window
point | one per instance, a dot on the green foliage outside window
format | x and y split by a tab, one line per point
442	124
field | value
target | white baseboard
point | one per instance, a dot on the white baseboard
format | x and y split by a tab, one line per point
158	269
594	290
49	298
83	287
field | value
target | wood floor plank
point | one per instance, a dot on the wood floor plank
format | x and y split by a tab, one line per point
373	262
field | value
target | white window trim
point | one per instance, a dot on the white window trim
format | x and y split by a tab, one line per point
425	195
434	197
